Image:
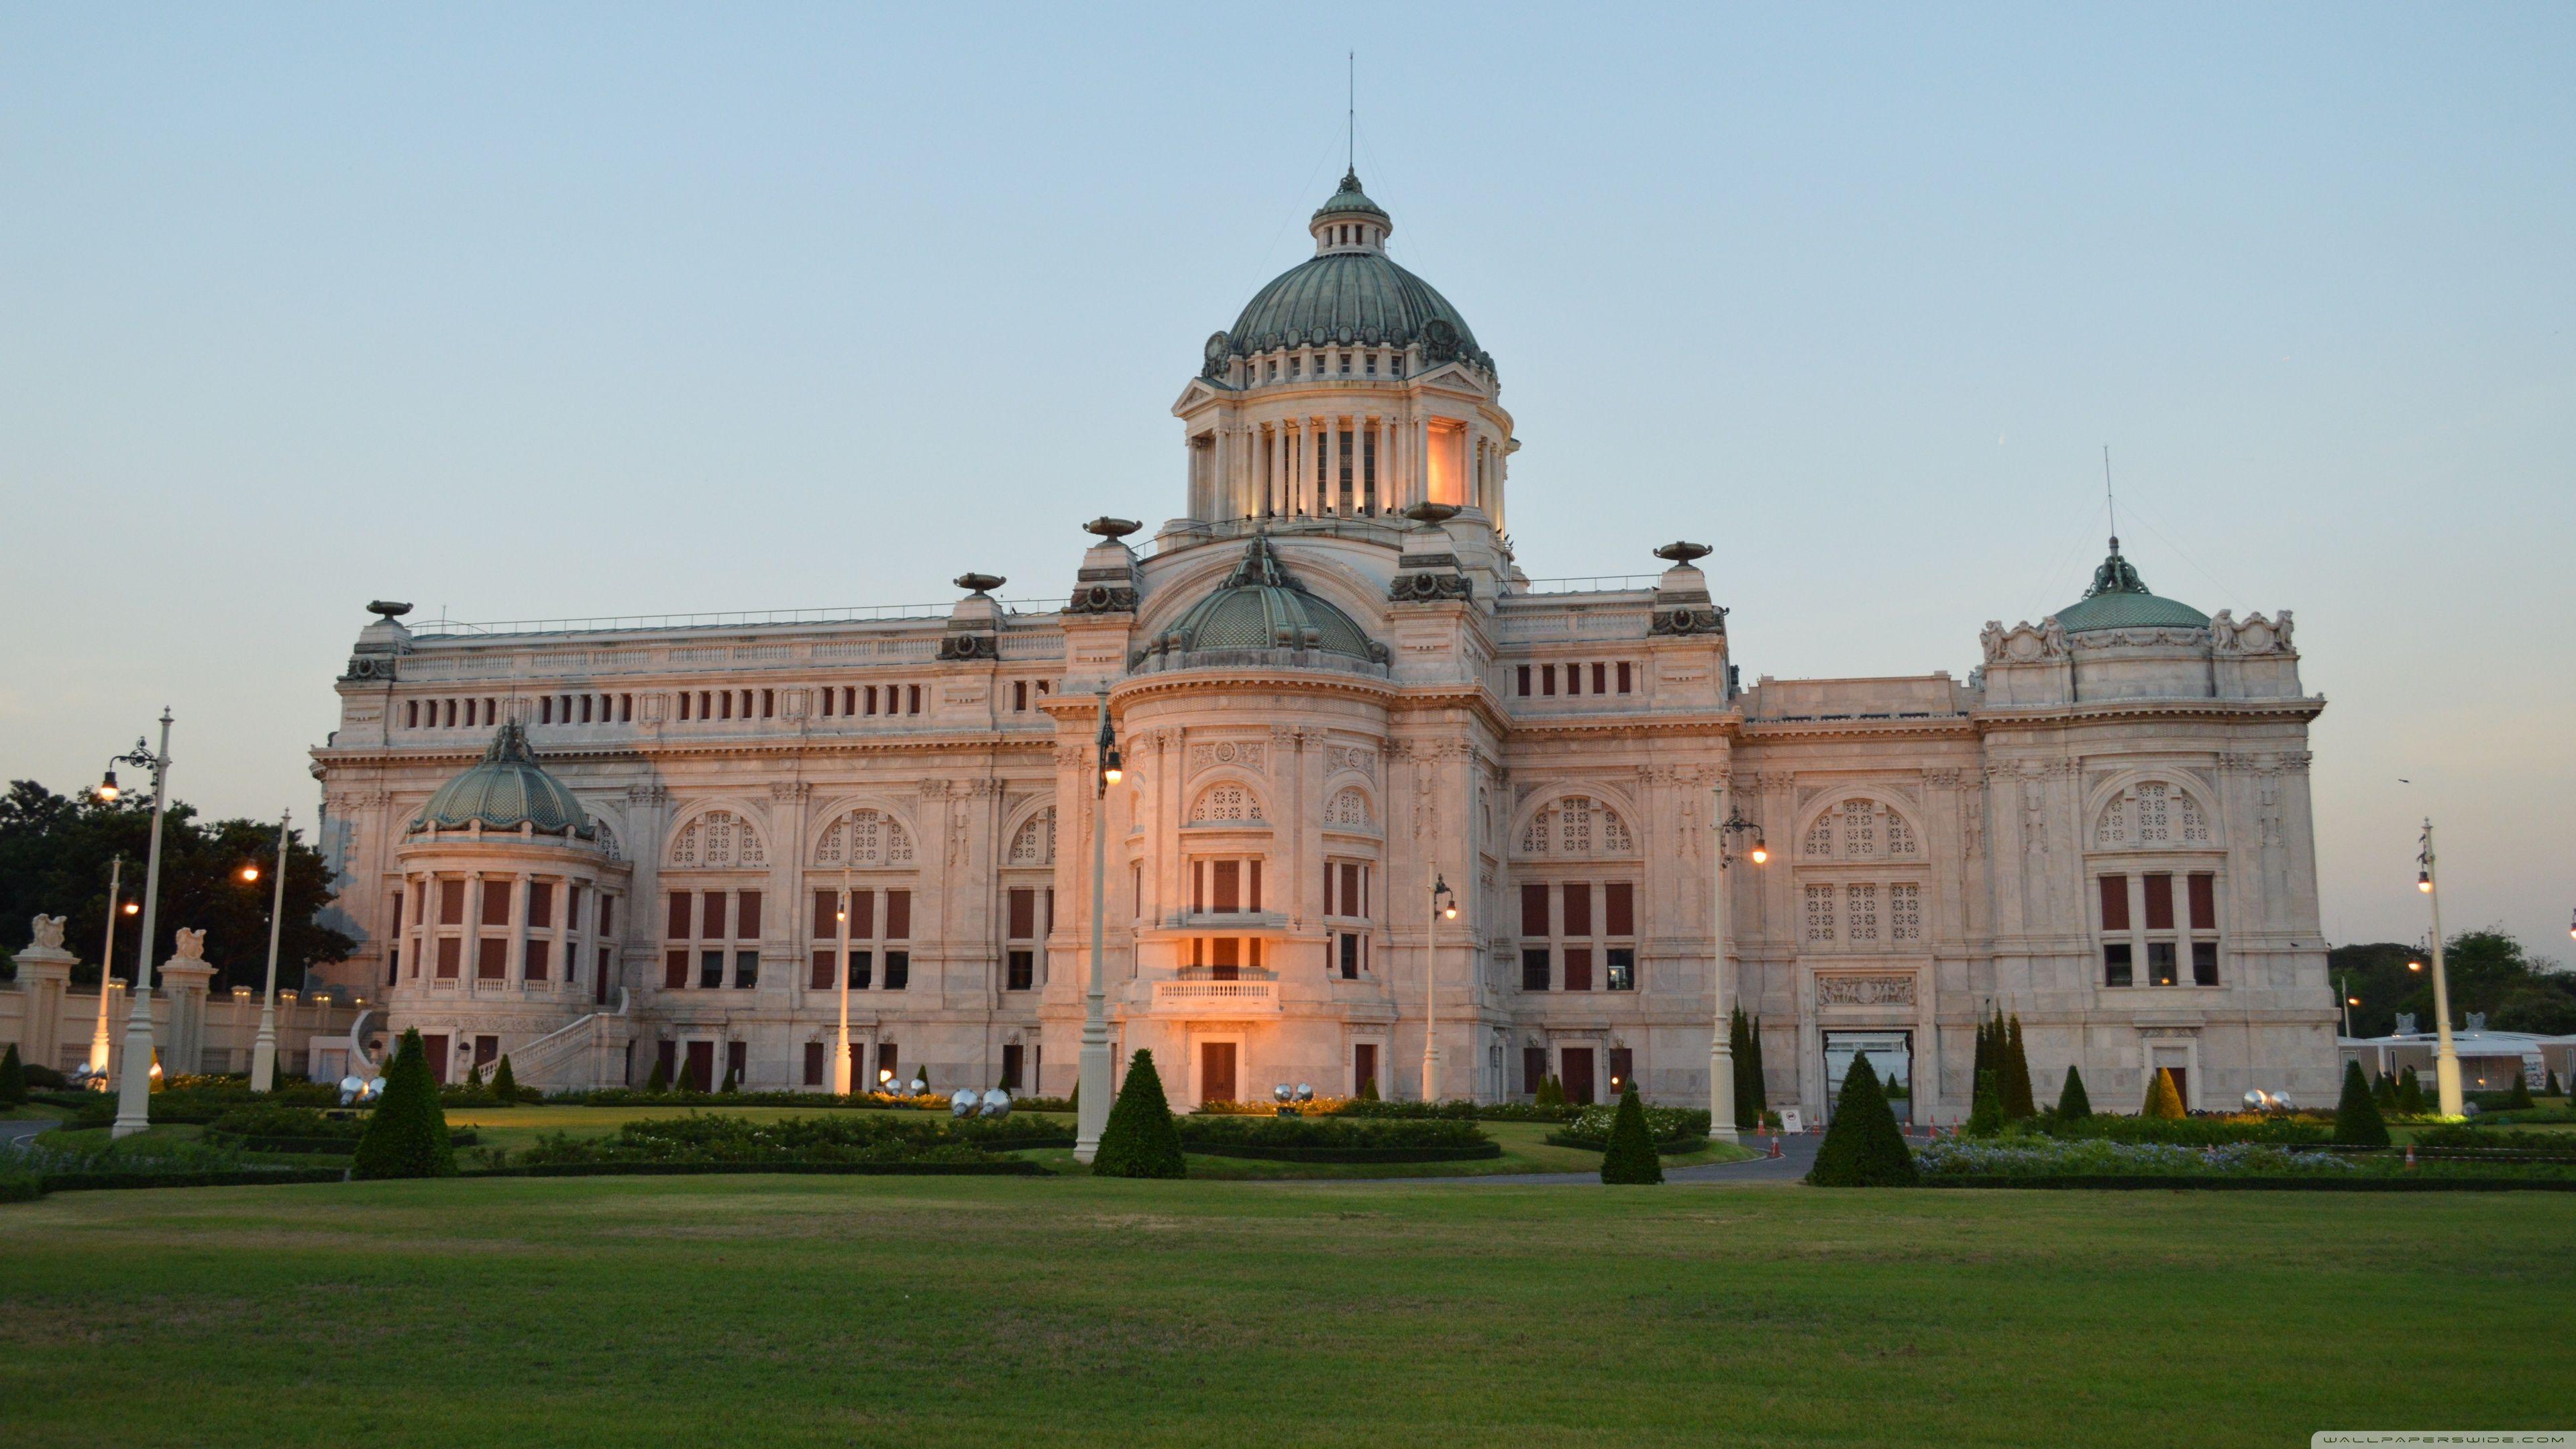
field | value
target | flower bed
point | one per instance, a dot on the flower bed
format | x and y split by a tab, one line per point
2204	1131
2498	1142
793	1140
1463	1111
2096	1162
1675	1129
1337	1139
637	1097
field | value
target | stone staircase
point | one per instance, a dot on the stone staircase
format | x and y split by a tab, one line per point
585	1054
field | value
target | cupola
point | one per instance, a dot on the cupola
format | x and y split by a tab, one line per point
504	791
2119	599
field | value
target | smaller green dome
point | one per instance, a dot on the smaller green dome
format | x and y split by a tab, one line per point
1349	200
507	788
2119	600
1262	606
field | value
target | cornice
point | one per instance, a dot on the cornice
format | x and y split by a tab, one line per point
2302	709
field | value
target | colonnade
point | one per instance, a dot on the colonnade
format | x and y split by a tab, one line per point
1341	465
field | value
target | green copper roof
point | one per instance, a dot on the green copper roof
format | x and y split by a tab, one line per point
2119	600
1341	298
1261	606
505	789
1349	200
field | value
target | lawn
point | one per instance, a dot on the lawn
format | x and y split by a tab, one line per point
921	1313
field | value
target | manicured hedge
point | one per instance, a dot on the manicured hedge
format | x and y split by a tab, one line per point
1007	1167
91	1181
2538	1146
2208	1131
1341	1134
876	1138
1674	1129
1261	1153
2268	1184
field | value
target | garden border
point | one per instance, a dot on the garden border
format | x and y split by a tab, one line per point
2143	1182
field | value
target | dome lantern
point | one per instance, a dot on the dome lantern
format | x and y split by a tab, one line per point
1349	221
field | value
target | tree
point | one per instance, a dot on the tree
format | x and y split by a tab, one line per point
2163	1098
2553	1086
1141	1139
2486	970
1862	1146
2357	1119
1368	1089
1550	1093
54	854
13	1079
1739	1042
407	1135
2018	1105
2384	1092
2072	1103
1984	1061
1761	1089
2520	1097
1986	1114
1631	1157
2410	1094
505	1087
660	1081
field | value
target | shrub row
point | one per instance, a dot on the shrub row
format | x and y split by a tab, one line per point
1002	1167
1217	1134
244	1177
2544	1146
2413	1183
2205	1131
1472	1152
796	1139
1674	1129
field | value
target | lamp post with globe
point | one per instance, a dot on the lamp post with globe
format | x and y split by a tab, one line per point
263	1051
1721	1047
134	1085
1093	1116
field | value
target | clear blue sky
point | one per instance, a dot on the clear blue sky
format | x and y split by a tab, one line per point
618	309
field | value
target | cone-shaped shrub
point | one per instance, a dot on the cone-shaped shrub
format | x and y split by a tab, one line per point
2384	1092
1862	1146
13	1079
2072	1103
1368	1090
1550	1092
2018	1102
1739	1045
505	1087
1986	1112
1761	1093
2357	1119
1984	1061
660	1081
1140	1140
474	1077
407	1136
2520	1097
1631	1157
2410	1094
2552	1088
2163	1098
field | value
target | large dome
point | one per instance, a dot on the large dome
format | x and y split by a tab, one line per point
1350	293
1261	606
506	789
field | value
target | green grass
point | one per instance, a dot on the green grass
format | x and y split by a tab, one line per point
923	1313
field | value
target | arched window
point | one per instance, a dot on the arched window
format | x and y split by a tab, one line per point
1226	801
1350	808
865	838
2152	815
718	840
1035	843
1861	829
1576	825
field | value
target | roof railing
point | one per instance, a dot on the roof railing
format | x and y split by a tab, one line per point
740	619
1587	584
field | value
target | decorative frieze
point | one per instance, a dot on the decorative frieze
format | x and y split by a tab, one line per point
1839	988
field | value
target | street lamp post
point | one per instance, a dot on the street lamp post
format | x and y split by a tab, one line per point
99	1045
1094	1078
1721	1049
2446	1060
134	1085
841	1038
1444	902
263	1050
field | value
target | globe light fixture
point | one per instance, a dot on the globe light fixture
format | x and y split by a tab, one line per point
107	791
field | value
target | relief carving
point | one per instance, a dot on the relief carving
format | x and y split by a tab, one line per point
1855	990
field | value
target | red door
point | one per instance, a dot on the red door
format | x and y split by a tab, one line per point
1216	1071
702	1066
435	1048
1578	1075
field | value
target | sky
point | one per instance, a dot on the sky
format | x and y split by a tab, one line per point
533	311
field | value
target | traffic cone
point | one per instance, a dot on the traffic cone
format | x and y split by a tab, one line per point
1775	1147
2410	1157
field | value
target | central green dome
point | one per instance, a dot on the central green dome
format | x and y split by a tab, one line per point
504	790
1262	606
1350	294
2119	599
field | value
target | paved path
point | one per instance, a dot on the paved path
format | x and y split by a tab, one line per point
1797	1154
13	1131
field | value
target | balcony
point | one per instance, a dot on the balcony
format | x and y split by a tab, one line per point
1216	998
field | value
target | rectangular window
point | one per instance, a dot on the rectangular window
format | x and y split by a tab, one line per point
1534	971
1019	971
492	958
536	964
1619	902
1524	671
1578	908
599	976
827	915
451	903
678	927
1533	909
863	970
496	901
1349	946
1019	695
1251	889
1623	678
898	919
746	916
768	703
675	970
1363	1065
1600	678
541	905
746	970
912	694
2160	963
828	701
822	979
2115	903
1574	679
2204	963
449	949
863	915
1229	886
815	1053
1011	1055
711	916
2115	964
411	714
1547	679
2160	912
2204	902
1622	962
1024	914
711	966
1578	968
898	970
1533	1069
607	915
736	1068
1819	900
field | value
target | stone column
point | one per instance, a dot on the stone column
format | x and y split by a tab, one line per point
514	972
183	982
44	978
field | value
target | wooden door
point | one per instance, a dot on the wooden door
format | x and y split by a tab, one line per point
700	1073
1216	1071
434	1048
1577	1062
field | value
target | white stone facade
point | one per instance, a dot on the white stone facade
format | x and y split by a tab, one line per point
1936	847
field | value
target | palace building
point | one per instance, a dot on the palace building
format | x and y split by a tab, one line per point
611	845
